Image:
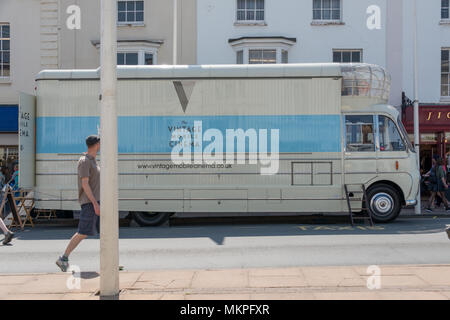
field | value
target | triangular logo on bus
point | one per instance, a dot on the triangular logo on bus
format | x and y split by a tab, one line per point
184	91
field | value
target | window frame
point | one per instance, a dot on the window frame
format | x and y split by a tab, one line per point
341	51
374	131
2	63
246	21
445	8
135	22
443	97
341	5
246	53
263	50
399	132
376	126
141	54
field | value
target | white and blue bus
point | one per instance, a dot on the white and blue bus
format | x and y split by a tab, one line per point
308	130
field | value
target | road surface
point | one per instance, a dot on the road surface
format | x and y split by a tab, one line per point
406	241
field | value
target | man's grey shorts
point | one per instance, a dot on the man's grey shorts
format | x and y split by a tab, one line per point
89	224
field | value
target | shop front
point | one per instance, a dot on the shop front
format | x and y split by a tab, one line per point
434	126
9	141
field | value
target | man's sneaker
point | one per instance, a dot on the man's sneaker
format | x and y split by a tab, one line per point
9	236
447	209
63	264
429	210
448	232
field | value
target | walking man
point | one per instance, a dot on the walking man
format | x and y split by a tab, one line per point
89	198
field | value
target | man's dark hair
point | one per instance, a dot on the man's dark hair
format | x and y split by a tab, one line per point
92	140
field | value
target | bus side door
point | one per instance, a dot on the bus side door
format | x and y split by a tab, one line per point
360	156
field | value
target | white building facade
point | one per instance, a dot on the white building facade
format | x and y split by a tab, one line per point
370	31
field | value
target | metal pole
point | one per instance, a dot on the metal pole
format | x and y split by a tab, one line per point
175	32
418	208
109	233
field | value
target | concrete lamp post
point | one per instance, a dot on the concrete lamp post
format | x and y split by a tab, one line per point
109	219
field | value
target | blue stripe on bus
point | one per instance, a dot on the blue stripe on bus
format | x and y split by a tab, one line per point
151	134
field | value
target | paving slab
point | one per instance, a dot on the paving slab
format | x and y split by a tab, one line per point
234	278
307	283
411	295
236	296
328	277
366	295
277	281
282	296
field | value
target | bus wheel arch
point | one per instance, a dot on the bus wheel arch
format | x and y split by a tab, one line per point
150	219
386	200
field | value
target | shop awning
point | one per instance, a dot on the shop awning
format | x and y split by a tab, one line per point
432	118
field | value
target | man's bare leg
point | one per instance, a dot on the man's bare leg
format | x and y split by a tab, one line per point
3	227
63	262
74	242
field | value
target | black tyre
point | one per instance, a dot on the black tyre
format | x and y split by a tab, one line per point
149	219
384	203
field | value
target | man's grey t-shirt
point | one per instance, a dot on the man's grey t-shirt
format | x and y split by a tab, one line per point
88	168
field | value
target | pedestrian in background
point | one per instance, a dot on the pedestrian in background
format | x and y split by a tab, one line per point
15	178
438	184
88	197
2	177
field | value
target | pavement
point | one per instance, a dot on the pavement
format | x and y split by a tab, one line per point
239	261
406	282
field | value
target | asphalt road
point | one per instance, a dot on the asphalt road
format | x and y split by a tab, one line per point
217	246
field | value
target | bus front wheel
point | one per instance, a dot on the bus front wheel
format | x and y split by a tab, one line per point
384	203
150	219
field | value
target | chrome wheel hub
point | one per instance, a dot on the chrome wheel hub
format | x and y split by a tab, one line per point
382	203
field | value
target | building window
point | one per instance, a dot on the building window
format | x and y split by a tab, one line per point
250	10
445	6
262	56
5	64
134	58
284	56
148	59
240	57
445	73
326	9
347	56
130	12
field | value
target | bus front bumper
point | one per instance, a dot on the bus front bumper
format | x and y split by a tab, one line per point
411	203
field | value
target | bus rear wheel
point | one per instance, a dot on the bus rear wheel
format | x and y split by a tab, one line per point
384	203
150	219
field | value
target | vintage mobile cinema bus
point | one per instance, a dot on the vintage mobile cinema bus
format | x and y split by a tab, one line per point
324	125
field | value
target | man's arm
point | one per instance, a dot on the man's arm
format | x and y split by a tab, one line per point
88	191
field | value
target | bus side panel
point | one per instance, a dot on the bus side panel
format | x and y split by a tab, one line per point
305	111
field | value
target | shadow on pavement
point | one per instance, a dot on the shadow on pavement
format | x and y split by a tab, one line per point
324	226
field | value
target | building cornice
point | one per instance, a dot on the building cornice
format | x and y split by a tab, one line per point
133	43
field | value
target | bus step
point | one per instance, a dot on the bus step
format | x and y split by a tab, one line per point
365	217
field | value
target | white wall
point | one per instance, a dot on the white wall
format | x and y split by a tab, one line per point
431	38
390	47
24	19
290	18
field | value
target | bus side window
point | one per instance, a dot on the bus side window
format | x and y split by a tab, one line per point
360	136
390	138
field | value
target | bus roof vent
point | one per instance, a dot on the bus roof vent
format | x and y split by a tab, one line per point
365	80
